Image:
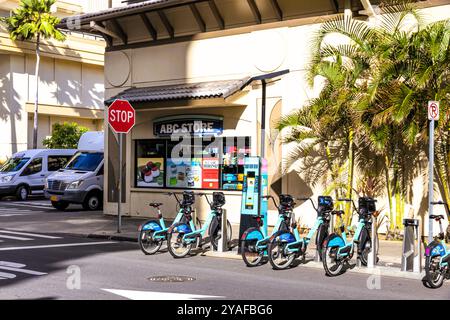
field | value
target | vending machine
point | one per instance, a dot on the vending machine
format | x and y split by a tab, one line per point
254	187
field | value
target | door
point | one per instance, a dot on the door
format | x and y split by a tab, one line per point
34	175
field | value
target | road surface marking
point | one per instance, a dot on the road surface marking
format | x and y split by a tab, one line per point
14	238
4	276
29	234
16	267
27	206
149	295
58	245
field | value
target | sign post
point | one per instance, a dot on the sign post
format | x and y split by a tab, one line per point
121	118
433	115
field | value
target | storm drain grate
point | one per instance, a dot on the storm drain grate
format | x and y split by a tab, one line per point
171	279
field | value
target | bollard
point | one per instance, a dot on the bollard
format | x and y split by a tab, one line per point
372	259
223	241
411	255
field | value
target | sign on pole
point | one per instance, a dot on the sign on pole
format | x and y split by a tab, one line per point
433	115
121	118
433	110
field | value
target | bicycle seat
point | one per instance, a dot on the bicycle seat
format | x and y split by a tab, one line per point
437	216
155	204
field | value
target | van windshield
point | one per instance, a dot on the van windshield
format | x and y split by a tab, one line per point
85	161
14	164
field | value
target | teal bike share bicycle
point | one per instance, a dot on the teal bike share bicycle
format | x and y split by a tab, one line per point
286	245
182	237
254	241
337	250
153	233
437	257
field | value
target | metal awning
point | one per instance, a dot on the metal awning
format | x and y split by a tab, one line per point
186	91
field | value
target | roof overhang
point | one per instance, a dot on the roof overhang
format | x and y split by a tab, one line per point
154	22
210	93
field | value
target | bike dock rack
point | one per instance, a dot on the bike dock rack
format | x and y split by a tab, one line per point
411	254
223	241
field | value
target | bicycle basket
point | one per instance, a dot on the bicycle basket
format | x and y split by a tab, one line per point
218	199
286	200
325	204
188	198
366	206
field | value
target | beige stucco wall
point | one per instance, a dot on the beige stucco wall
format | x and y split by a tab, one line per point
217	58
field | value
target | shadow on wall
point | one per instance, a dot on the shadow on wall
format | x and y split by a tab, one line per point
10	108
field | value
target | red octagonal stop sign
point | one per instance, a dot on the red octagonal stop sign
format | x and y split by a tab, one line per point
121	116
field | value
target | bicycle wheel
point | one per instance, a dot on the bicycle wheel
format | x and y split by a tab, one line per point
251	254
215	233
178	248
147	243
278	257
433	273
331	264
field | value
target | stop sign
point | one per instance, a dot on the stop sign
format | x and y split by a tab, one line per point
121	116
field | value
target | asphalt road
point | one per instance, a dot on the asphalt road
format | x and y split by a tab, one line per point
55	266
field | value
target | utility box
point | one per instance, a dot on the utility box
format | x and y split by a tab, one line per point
411	254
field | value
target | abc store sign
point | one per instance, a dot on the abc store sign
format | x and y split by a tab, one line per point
192	125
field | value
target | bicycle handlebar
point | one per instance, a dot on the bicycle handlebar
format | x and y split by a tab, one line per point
312	202
350	200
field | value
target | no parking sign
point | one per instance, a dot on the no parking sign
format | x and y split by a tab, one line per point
433	110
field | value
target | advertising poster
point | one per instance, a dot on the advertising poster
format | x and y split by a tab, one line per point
210	173
150	172
180	173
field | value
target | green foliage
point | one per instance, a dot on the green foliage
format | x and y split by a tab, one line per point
371	112
33	19
64	136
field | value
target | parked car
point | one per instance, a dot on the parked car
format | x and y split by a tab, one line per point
81	180
24	173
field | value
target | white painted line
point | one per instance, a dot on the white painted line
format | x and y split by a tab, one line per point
15	238
29	234
57	245
13	215
28	206
11	264
4	276
34	273
149	295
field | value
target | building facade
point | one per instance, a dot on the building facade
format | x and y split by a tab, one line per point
71	84
185	62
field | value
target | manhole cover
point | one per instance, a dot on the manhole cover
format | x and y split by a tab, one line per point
171	279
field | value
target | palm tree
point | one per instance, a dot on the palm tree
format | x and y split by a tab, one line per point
33	20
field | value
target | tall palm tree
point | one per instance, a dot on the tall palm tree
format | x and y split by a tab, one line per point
33	20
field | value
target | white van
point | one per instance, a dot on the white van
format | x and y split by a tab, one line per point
24	173
81	180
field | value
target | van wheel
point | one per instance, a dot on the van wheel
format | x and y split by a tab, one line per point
60	205
22	193
93	201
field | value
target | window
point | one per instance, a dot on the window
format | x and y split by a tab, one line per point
234	152
197	163
101	170
14	164
54	163
34	167
85	161
150	163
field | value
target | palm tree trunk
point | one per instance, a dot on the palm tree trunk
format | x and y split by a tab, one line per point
389	193
330	166
351	166
36	102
